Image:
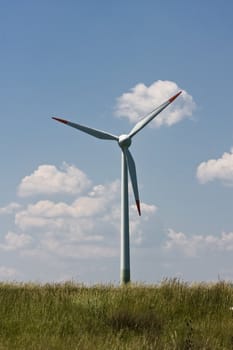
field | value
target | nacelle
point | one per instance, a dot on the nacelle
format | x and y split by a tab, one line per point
124	141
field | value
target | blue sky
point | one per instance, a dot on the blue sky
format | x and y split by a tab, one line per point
59	203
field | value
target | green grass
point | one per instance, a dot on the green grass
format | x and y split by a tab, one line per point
172	315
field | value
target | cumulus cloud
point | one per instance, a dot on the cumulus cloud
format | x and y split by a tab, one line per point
192	245
48	179
46	213
14	241
217	169
10	208
142	99
87	218
59	232
88	225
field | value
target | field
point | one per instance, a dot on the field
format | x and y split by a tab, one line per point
171	315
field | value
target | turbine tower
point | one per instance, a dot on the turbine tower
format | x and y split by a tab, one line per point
127	165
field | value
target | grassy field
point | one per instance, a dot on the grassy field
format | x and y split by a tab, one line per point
171	315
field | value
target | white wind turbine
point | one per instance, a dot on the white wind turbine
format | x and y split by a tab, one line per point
127	163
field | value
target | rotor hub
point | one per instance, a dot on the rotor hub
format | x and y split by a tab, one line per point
124	141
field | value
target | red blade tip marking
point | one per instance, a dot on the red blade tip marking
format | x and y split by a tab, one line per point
138	206
60	120
174	97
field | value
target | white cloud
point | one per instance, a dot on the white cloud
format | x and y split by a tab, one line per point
14	241
47	179
95	205
87	226
194	244
59	233
7	272
217	169
10	208
84	215
142	99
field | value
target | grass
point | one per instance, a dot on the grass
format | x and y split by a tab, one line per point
169	316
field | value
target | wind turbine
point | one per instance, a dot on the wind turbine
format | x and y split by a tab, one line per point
127	164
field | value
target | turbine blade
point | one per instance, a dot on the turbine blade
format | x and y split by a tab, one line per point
94	132
142	123
133	177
